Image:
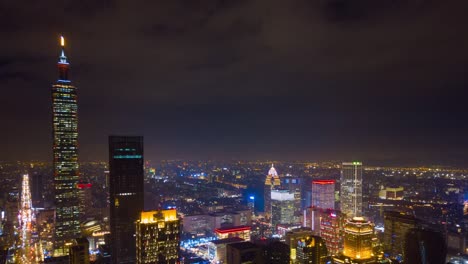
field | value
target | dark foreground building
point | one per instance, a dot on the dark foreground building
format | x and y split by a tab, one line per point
126	195
244	252
424	247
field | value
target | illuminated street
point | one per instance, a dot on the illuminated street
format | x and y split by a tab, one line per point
28	251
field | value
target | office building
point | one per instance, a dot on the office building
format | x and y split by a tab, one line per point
158	237
351	189
311	249
243	232
272	182
79	251
86	196
305	247
396	226
126	195
217	249
391	193
323	194
276	252
65	157
282	207
311	219
358	237
294	185
424	246
331	226
292	239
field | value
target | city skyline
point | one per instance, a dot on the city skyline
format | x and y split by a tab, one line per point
223	131
225	82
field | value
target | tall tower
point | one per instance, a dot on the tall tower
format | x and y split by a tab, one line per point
351	189
126	195
272	180
65	152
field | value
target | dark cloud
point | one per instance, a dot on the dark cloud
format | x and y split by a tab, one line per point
364	79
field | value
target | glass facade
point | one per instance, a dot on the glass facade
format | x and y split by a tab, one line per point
323	194
65	158
351	189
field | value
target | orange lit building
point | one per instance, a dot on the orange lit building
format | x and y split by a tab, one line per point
358	235
158	237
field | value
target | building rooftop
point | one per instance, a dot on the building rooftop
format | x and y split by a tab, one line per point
227	240
232	229
243	245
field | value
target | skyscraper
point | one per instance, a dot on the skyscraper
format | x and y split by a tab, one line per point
65	157
305	247
351	189
282	207
331	223
311	249
396	226
126	195
272	180
158	237
323	194
37	189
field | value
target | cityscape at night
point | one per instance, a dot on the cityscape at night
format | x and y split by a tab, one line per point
234	132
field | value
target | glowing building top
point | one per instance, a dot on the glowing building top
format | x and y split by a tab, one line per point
272	177
272	172
63	62
358	239
155	216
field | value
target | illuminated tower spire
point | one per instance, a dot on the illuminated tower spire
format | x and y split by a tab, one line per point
65	160
63	62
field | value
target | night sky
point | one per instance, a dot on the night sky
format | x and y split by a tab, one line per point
380	81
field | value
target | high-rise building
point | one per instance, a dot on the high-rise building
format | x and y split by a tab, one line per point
294	185
311	219
86	197
424	246
272	182
158	237
126	195
323	194
305	247
311	249
277	252
282	207
37	189
396	226
351	189
79	251
331	225
358	237
65	157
